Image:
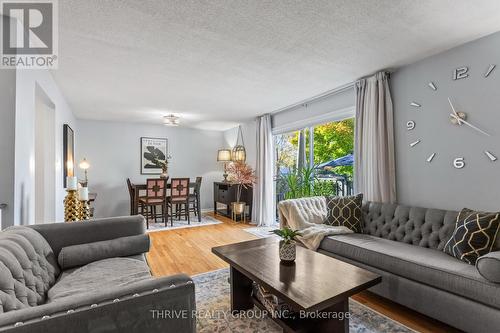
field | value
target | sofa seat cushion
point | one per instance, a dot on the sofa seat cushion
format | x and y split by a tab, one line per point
424	265
99	275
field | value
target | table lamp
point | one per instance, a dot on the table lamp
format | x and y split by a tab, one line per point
224	155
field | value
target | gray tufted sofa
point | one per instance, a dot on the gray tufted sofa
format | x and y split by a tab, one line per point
404	245
41	289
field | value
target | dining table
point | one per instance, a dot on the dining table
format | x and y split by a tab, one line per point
143	187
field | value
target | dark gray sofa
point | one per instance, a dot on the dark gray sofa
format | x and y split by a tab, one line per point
404	245
117	294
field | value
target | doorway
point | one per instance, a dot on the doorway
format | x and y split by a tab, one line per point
45	158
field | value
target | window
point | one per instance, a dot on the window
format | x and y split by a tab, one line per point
316	160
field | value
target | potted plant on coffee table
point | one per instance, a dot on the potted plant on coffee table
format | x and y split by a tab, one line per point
287	247
243	175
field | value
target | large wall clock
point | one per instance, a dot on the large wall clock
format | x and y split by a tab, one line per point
456	118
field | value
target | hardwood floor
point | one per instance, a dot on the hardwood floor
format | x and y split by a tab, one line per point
188	251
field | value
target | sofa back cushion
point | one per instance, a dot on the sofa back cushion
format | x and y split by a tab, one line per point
28	268
425	227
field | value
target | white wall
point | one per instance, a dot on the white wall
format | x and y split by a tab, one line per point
7	130
113	151
27	83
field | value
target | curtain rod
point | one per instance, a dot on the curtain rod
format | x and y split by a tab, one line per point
328	93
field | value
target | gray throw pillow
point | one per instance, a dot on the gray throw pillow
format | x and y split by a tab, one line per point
82	254
489	266
345	211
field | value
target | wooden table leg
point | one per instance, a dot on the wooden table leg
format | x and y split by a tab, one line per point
241	291
332	324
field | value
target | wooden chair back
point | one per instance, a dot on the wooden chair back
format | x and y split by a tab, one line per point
130	189
197	186
179	188
156	188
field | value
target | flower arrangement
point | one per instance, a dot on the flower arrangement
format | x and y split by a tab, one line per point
241	174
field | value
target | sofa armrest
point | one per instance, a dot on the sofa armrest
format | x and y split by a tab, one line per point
488	266
60	235
153	305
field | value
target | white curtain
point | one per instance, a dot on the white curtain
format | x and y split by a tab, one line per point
263	192
374	159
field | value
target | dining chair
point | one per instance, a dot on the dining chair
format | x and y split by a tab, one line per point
131	192
179	196
194	199
156	195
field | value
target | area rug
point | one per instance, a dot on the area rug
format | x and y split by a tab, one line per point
179	224
212	302
262	232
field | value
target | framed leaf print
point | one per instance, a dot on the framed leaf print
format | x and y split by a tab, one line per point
154	153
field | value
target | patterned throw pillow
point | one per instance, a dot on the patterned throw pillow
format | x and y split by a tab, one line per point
345	211
474	235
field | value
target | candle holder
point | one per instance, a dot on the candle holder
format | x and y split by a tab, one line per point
71	206
84	210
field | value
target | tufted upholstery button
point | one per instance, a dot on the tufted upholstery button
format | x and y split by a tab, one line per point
155	290
116	300
19	323
29	264
93	305
45	317
135	295
70	311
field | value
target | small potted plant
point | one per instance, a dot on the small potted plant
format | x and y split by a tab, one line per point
287	248
243	175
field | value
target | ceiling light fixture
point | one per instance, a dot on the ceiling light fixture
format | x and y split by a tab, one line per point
171	120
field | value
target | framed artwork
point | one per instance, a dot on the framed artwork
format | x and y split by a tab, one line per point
68	153
154	153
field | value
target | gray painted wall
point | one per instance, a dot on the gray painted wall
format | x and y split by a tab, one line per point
7	135
113	151
439	184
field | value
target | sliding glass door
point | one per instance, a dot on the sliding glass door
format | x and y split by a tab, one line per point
315	160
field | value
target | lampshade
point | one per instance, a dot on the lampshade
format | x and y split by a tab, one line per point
84	164
224	155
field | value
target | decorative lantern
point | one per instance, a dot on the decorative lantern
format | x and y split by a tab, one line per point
239	153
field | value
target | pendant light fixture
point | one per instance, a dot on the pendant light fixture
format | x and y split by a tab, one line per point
239	153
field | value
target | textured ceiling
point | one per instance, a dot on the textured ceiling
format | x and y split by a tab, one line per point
216	63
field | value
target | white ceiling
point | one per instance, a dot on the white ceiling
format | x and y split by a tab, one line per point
217	63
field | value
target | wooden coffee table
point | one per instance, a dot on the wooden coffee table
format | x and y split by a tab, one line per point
317	287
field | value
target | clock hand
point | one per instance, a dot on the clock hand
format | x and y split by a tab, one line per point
469	124
455	112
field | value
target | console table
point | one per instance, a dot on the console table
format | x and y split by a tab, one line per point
225	193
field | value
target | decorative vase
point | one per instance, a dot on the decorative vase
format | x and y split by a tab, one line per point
239	207
84	210
71	206
164	173
288	251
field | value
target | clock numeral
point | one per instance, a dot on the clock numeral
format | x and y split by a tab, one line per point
431	157
459	162
490	69
410	125
461	73
433	86
415	104
492	157
413	144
